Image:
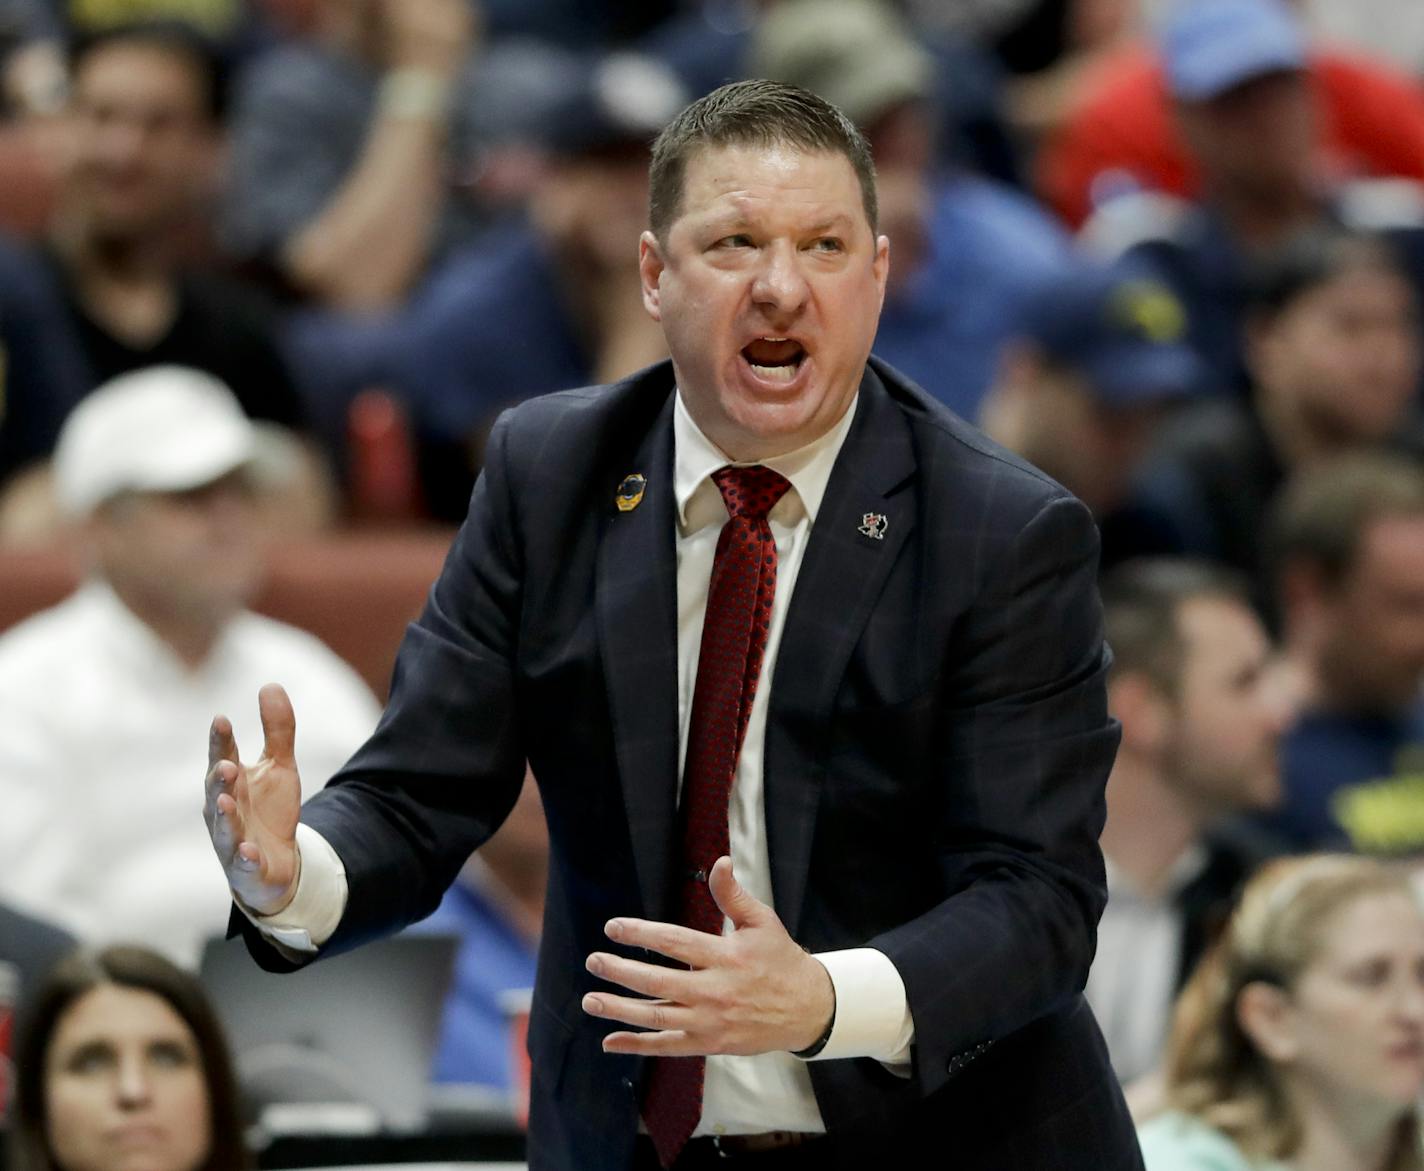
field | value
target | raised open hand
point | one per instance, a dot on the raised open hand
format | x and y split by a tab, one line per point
251	810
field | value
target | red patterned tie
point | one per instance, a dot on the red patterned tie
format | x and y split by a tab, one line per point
734	631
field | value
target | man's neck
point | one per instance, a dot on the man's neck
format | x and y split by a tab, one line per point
191	637
125	285
1149	826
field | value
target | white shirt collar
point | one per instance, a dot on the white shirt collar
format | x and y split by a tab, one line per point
1181	874
695	458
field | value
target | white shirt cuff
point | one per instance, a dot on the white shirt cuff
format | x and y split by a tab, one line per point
872	1014
314	913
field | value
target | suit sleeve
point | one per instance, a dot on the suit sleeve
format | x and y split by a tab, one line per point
1028	746
445	765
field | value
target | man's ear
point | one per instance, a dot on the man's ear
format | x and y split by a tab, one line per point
650	272
1144	712
881	264
1267	1017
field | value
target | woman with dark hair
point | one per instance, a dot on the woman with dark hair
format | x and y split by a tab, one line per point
122	1064
1299	1041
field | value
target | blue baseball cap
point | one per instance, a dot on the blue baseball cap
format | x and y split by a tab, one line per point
1121	329
1211	46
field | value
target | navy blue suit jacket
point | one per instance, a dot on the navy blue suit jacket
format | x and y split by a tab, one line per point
936	751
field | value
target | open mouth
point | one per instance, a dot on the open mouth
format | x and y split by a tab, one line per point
774	359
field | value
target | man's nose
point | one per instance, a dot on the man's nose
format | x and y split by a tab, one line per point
780	285
119	141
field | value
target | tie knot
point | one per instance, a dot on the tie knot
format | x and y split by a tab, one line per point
750	492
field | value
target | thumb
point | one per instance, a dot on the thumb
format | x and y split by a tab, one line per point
279	724
732	898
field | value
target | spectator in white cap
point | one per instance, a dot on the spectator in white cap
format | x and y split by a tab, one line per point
99	695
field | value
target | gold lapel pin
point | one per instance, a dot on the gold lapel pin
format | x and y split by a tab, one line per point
630	492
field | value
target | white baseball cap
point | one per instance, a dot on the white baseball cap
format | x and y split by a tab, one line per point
160	429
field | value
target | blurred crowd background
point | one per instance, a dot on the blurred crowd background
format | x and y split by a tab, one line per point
269	270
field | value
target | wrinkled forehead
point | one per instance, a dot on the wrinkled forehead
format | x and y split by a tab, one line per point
772	179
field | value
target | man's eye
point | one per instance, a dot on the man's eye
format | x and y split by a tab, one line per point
740	240
828	244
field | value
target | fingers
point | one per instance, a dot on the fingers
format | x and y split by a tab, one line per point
220	779
673	1043
732	898
661	1015
279	724
226	828
696	949
221	743
650	979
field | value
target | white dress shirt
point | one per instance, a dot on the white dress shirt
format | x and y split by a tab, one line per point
101	730
742	1095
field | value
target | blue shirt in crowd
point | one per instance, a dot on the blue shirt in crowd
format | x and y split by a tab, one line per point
493	958
1354	782
489	331
988	247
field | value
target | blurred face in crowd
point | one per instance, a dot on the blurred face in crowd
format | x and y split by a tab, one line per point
1062	427
1220	749
1372	647
592	208
193	556
124	1086
1351	1030
768	287
1344	356
1256	141
902	143
142	145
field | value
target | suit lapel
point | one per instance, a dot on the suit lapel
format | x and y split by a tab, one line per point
637	616
841	575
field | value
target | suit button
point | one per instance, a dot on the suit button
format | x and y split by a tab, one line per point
627	1084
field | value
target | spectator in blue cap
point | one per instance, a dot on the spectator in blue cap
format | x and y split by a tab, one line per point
1100	357
1237	71
1213	46
968	251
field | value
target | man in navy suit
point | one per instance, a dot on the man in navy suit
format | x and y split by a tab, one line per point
912	879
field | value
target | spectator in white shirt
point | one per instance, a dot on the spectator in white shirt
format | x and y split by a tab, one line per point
1201	724
100	696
